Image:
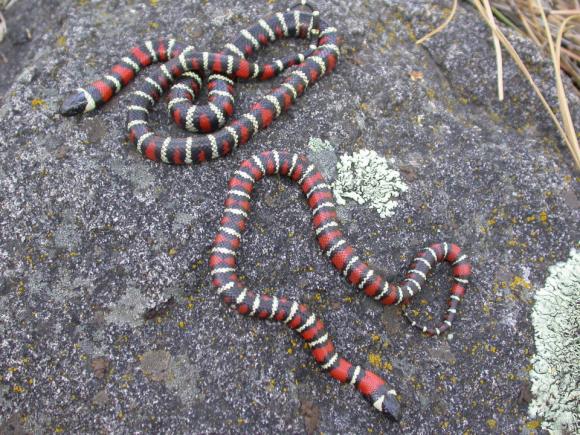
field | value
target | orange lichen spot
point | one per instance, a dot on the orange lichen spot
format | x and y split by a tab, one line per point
18	389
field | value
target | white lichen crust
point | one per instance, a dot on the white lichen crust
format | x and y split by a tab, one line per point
556	365
318	145
366	177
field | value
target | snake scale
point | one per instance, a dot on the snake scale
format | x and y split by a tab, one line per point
181	74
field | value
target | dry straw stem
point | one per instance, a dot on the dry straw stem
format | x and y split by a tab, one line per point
4	5
497	46
2	27
564	109
565	17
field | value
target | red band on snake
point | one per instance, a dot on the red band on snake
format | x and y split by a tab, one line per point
296	316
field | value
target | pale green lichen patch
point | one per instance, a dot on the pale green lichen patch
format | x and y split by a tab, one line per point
366	177
556	370
318	145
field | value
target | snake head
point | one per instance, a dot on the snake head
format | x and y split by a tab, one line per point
381	395
387	402
73	104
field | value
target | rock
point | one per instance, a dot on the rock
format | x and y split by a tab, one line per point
13	426
87	227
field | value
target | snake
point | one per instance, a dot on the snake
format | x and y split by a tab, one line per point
181	75
297	316
182	70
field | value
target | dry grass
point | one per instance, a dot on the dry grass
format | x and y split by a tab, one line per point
529	17
2	27
4	4
555	29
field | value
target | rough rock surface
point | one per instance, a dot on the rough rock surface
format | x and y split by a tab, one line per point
107	318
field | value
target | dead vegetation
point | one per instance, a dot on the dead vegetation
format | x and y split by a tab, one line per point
4	5
554	26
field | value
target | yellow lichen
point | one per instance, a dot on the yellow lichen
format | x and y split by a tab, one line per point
375	360
518	281
61	41
18	389
534	424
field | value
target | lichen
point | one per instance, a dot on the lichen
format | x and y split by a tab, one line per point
317	145
366	177
555	374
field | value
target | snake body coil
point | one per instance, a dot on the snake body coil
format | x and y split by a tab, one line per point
296	316
221	69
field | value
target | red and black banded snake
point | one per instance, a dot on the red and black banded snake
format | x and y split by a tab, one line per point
221	69
297	316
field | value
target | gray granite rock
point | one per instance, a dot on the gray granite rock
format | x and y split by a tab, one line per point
103	254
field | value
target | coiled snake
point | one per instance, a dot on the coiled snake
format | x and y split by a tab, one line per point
222	68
